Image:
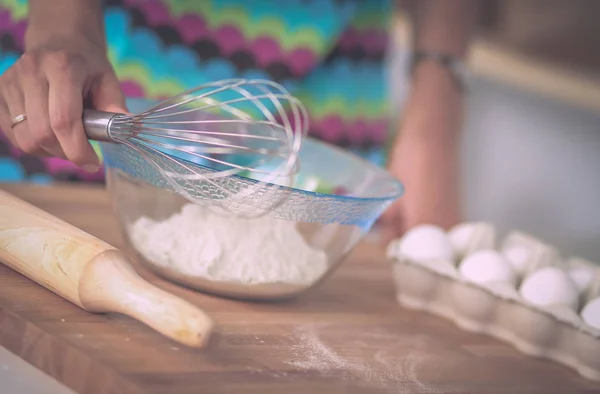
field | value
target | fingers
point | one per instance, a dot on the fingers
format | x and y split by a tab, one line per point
24	91
40	138
65	106
20	134
5	121
5	116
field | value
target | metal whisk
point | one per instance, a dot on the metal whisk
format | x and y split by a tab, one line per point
200	139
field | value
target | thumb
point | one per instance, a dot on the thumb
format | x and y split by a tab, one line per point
106	95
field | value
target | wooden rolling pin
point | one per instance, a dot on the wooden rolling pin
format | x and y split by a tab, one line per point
91	273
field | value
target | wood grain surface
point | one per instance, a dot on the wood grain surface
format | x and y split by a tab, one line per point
347	336
90	273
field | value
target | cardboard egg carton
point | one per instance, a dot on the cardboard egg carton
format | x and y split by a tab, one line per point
556	332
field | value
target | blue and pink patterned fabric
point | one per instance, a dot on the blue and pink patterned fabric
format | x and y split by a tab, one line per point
328	53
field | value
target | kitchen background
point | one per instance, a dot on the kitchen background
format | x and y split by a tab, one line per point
532	138
531	145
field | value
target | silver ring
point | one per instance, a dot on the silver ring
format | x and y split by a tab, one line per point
18	119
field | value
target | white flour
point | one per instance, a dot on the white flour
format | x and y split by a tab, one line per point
200	243
376	357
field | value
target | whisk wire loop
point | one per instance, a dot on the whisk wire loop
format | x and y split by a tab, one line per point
202	140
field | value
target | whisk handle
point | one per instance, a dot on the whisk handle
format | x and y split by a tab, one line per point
96	124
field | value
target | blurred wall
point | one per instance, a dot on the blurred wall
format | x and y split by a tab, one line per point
565	33
532	163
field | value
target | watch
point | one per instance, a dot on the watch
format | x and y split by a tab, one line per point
452	63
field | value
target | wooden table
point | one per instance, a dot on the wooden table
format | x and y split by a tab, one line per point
349	335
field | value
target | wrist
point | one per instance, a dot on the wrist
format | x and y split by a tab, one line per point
435	81
74	38
451	64
65	20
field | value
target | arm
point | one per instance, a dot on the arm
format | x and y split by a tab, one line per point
57	19
444	27
425	154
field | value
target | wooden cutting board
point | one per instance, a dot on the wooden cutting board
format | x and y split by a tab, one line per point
347	336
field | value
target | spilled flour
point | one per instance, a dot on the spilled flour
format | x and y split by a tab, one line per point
378	358
198	242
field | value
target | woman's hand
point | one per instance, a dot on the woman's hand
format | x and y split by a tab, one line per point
49	84
425	157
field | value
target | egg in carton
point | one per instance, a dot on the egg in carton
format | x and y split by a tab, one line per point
527	253
586	276
469	237
537	303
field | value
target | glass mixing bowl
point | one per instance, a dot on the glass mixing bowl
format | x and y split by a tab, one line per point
333	202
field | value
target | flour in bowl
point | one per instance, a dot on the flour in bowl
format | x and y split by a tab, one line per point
198	242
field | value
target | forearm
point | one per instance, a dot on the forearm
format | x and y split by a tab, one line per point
426	154
435	104
444	25
64	19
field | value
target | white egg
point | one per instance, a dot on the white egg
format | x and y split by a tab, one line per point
527	253
550	286
460	236
424	242
582	276
486	266
518	256
591	313
471	236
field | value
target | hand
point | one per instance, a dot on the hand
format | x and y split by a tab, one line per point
49	84
425	157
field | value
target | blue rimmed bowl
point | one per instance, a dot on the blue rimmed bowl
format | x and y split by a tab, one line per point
333	202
